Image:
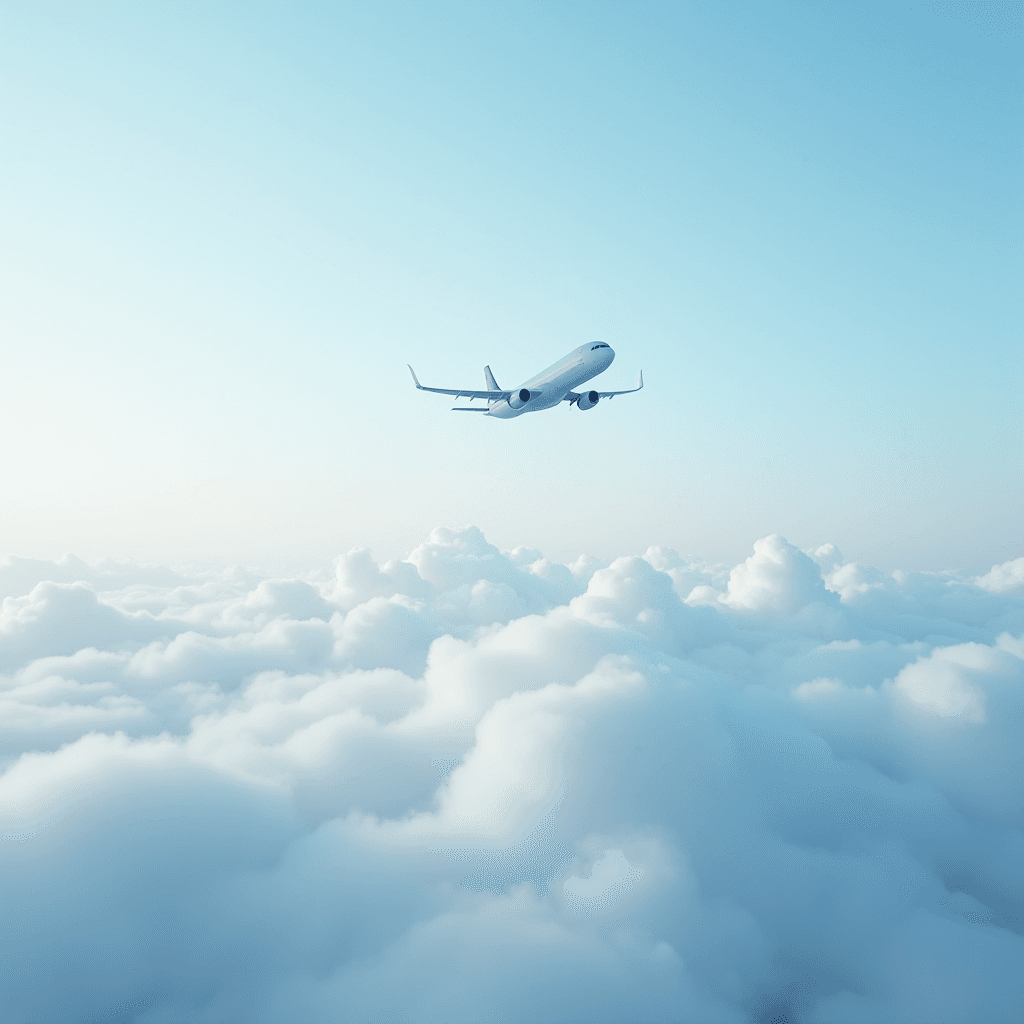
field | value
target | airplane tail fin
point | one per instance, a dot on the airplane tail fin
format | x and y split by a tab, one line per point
492	384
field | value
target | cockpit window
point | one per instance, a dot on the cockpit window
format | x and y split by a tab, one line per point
602	345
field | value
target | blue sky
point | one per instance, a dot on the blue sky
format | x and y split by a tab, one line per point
228	229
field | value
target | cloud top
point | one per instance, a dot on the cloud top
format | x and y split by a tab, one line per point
476	784
1005	578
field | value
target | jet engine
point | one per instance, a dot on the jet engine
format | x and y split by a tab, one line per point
519	398
588	399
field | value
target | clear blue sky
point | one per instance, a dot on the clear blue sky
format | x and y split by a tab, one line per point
226	228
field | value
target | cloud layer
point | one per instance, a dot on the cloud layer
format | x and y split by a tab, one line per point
476	785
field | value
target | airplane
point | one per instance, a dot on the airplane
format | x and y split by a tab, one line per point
549	388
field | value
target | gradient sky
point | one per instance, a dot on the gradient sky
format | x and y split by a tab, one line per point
226	229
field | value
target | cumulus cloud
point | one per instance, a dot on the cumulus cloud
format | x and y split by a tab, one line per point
480	785
777	577
1003	578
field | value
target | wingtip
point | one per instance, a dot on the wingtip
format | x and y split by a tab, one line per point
641	380
415	379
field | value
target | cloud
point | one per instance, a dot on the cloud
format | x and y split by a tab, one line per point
1001	579
480	785
777	577
947	681
611	877
61	618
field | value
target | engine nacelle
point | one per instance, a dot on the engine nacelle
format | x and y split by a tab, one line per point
588	400
519	398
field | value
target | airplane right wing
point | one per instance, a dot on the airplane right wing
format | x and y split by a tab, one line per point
572	397
460	392
612	394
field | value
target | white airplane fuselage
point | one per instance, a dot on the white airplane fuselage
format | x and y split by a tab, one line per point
554	383
548	389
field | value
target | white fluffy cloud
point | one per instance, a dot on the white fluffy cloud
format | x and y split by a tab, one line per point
1003	578
476	785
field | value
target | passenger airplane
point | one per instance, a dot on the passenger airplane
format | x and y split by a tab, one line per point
548	389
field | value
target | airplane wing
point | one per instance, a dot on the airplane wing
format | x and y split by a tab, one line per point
460	392
612	394
573	396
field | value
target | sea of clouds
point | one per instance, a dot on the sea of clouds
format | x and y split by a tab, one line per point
477	785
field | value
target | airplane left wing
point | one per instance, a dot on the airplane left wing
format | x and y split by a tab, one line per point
459	393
